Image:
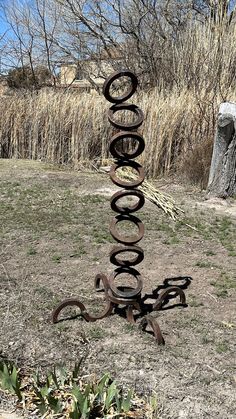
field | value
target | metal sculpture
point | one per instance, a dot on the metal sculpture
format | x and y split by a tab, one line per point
128	297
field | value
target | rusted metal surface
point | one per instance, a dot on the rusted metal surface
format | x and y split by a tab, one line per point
150	321
126	239
128	293
126	262
116	76
76	302
164	294
120	137
130	126
123	183
126	296
121	194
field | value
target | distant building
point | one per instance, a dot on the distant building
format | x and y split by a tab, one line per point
89	74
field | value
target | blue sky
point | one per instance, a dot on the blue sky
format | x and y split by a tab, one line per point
3	25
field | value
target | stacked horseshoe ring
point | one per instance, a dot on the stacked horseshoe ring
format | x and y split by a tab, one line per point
124	154
124	158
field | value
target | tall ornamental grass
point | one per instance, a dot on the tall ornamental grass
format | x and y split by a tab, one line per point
180	116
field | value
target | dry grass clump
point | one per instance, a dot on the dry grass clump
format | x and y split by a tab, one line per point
194	165
204	60
72	128
54	126
163	201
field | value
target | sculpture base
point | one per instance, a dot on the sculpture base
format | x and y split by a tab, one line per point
136	303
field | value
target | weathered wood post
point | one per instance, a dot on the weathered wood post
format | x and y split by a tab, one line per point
222	178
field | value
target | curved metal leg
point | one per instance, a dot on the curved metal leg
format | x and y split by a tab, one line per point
111	301
97	283
75	302
149	321
130	314
159	302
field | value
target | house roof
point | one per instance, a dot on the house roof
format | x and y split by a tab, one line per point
108	53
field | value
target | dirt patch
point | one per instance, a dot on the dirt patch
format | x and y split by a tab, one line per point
55	239
223	206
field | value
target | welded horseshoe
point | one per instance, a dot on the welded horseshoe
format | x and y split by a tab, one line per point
126	262
149	321
127	184
119	138
97	282
130	126
130	314
130	293
124	301
126	239
124	193
126	95
160	300
75	302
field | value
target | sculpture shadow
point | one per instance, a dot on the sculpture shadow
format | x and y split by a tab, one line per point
182	282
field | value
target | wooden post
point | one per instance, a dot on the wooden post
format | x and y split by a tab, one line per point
222	178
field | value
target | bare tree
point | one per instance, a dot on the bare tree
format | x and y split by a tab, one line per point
142	31
32	29
143	35
46	21
20	37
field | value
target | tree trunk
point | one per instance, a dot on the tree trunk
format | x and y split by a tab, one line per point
222	178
